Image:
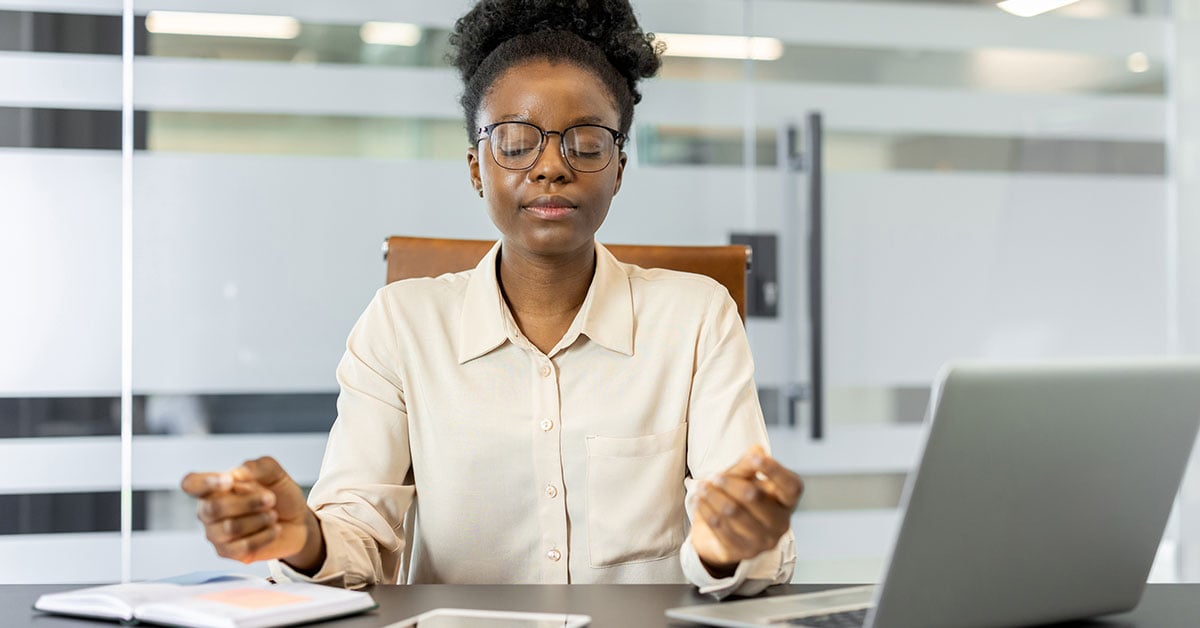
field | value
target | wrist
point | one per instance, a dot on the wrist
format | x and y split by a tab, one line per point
718	570
715	568
311	556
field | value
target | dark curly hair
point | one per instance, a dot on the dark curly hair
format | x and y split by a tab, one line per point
602	36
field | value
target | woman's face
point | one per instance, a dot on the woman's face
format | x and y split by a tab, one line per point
548	209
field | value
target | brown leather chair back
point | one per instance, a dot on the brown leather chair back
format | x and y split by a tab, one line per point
429	257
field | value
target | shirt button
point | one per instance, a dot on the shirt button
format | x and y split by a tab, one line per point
547	425
545	370
551	492
554	555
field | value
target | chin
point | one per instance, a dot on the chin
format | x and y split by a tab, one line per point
553	242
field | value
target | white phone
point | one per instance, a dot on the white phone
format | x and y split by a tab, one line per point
472	618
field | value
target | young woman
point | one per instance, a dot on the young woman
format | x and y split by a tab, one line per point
553	415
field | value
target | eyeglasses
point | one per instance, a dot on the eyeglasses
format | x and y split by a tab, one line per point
518	145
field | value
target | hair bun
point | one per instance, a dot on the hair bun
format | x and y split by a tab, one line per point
609	24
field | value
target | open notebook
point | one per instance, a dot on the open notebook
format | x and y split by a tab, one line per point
209	601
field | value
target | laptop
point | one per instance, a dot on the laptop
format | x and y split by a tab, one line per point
1041	496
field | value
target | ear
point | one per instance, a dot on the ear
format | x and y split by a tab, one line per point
473	168
620	171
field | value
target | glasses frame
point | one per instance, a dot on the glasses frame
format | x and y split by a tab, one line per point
485	133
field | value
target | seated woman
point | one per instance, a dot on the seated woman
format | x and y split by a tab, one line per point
554	415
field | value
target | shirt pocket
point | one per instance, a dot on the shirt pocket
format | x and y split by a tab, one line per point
635	497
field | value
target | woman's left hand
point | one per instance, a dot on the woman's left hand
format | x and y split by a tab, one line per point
743	511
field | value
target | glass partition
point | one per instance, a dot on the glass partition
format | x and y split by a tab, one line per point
995	187
60	325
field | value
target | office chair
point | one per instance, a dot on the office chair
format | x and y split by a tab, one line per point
428	257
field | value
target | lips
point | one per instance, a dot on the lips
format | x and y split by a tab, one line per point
550	207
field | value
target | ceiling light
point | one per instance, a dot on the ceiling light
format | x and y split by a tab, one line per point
390	33
721	46
1138	62
1030	8
223	25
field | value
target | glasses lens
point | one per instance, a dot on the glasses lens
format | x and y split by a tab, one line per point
588	148
515	145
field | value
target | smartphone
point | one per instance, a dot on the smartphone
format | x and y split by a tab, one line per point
470	618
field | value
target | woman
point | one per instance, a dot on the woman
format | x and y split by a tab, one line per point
550	414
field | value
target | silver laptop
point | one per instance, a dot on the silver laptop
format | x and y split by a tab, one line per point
1041	496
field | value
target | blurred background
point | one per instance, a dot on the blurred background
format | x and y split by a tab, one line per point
999	182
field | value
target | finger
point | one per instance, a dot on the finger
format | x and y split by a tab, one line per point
229	530
203	484
786	486
736	545
230	505
736	518
246	548
752	497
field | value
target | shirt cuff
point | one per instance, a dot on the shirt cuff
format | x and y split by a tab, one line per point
750	578
333	571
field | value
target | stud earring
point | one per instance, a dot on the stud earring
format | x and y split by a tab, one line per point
480	192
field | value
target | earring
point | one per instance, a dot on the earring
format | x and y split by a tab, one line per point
480	192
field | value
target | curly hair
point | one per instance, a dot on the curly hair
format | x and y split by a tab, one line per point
602	36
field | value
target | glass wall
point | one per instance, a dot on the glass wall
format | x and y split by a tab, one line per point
60	323
996	187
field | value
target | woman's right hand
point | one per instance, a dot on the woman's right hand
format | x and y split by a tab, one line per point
257	512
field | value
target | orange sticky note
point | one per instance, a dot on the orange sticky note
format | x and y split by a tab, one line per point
254	598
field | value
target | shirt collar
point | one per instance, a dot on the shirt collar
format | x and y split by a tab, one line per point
606	315
481	324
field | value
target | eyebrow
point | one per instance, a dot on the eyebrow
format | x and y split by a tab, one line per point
587	120
522	117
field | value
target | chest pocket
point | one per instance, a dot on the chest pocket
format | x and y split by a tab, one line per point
635	497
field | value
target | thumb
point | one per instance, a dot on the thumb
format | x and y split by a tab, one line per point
746	466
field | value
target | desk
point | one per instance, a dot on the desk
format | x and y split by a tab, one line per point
622	606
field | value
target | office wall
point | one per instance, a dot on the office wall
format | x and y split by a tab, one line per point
997	188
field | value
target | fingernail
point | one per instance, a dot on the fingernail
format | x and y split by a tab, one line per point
756	460
702	490
269	500
220	481
719	481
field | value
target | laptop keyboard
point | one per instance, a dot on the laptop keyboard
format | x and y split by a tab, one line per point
846	619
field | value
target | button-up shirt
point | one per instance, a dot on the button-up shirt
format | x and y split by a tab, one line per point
578	465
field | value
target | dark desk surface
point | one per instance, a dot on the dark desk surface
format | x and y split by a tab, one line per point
624	606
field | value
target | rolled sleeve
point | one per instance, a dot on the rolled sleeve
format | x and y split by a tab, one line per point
725	420
365	487
751	577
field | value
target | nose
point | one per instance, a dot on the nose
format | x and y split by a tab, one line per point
551	165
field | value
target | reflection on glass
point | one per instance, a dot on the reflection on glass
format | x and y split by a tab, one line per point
880	152
714	58
1074	8
657	145
371	43
281	134
984	69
